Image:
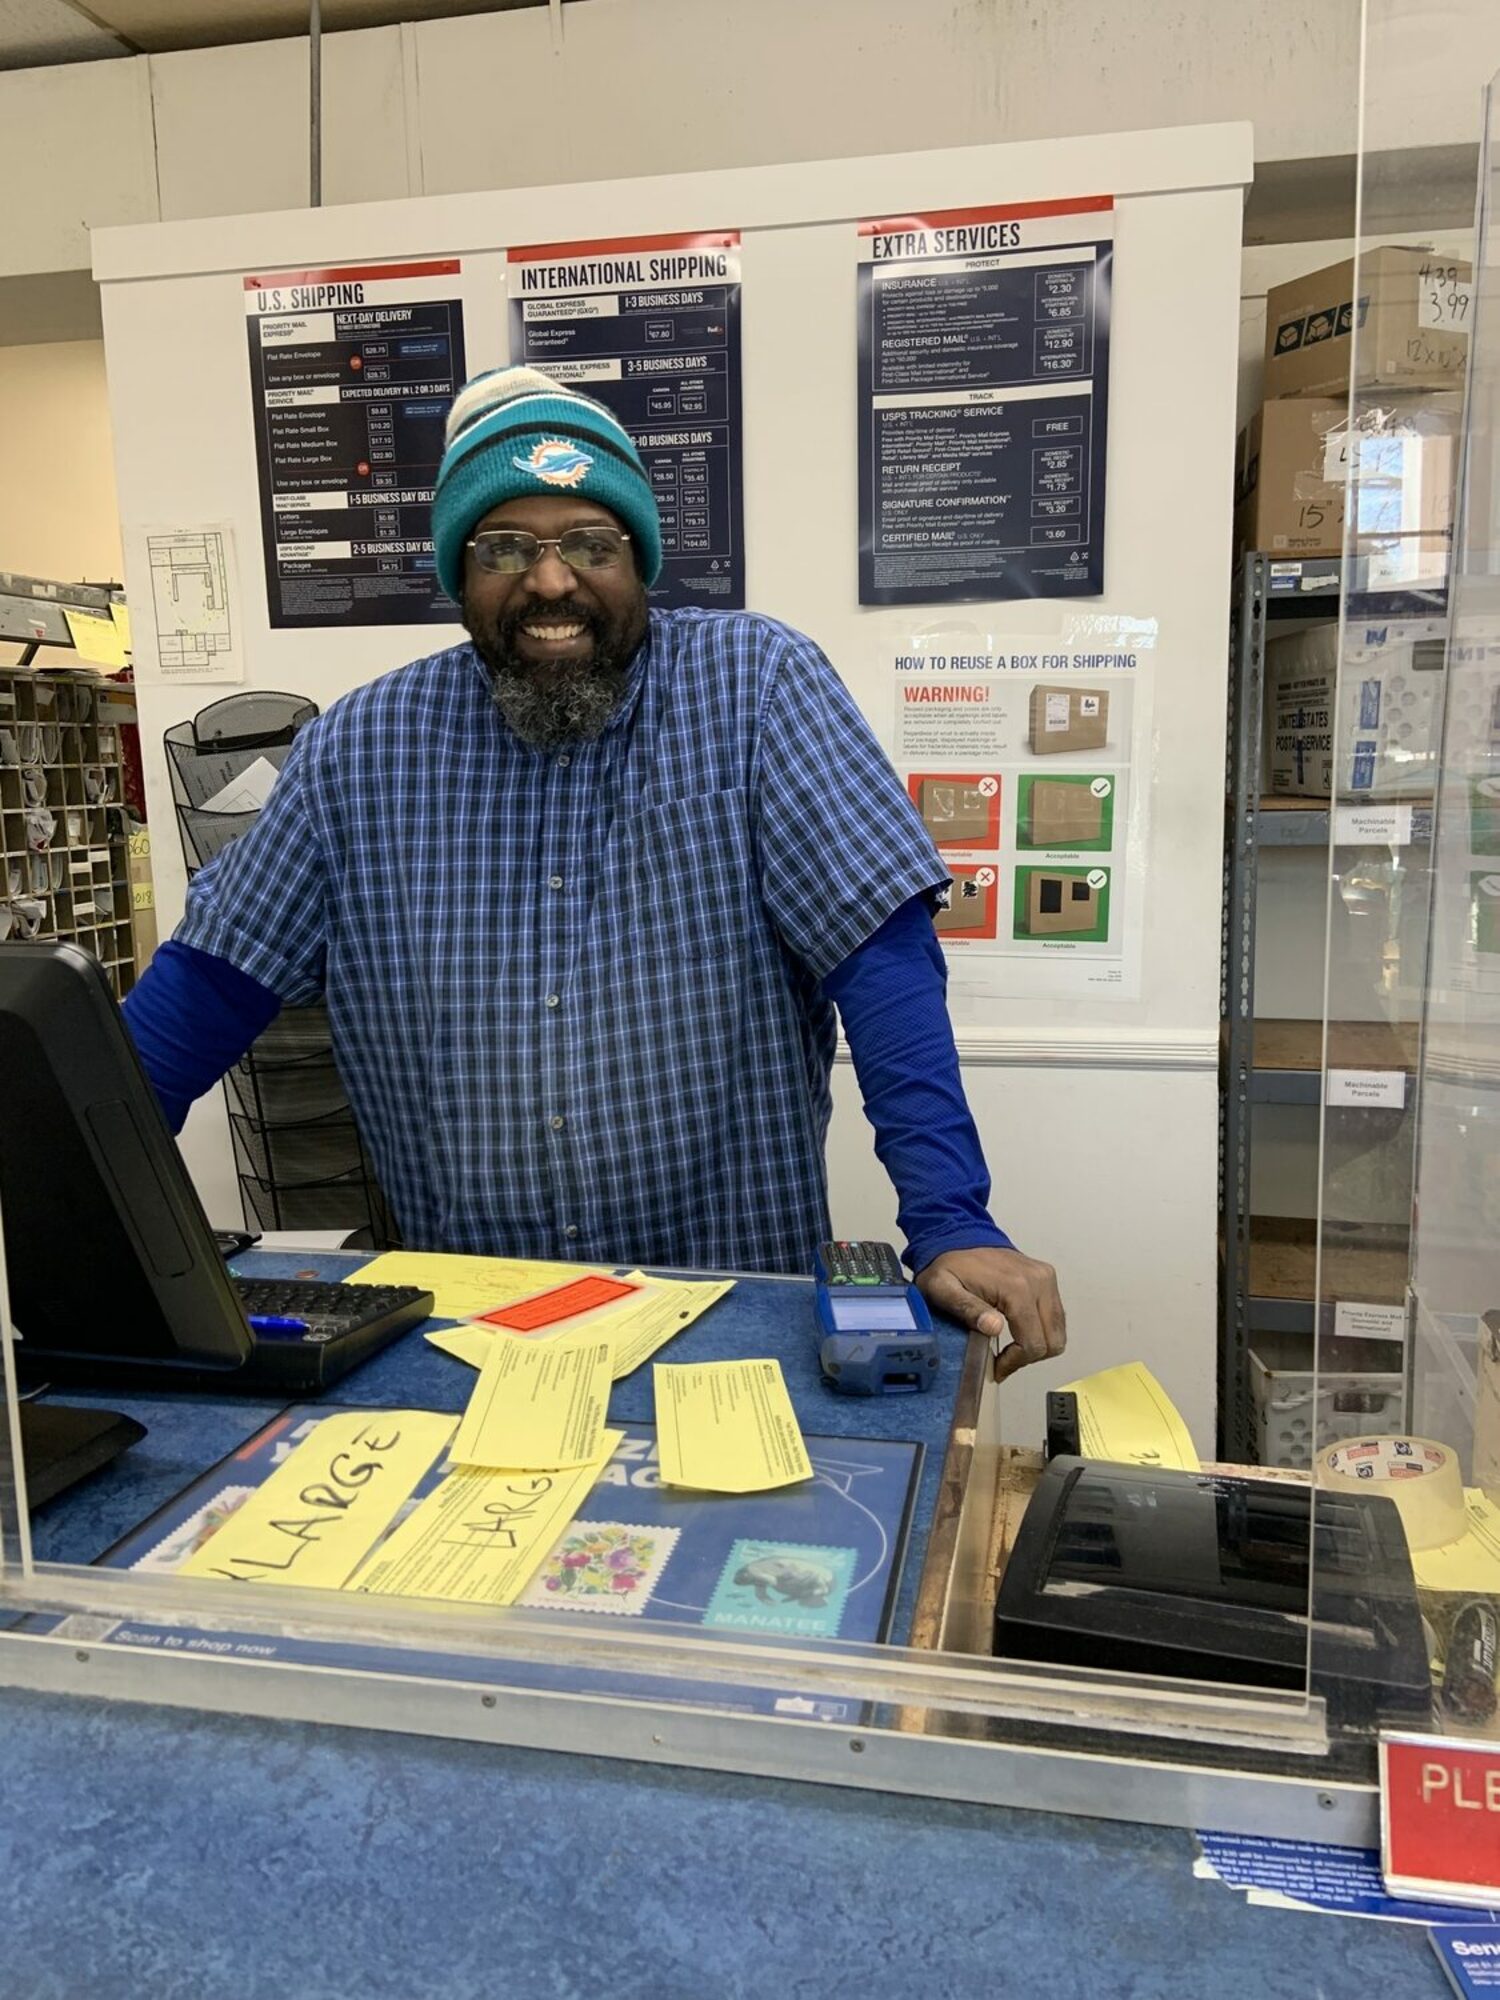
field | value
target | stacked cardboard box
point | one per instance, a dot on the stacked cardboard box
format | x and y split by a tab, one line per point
1407	332
1380	720
142	895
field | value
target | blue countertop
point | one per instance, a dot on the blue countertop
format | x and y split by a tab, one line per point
195	1857
191	1856
188	1433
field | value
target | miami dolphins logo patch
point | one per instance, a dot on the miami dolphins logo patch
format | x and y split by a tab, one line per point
555	462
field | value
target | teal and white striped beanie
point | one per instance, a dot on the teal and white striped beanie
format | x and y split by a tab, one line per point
514	431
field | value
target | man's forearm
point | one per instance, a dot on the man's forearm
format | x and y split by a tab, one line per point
191	1017
892	998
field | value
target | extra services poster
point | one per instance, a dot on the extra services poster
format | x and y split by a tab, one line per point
983	403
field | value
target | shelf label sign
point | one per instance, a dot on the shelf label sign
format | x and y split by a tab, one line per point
1354	1321
1372	826
1383	1089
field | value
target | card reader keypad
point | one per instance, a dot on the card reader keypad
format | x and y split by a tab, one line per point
862	1264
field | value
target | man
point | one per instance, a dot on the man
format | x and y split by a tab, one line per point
583	896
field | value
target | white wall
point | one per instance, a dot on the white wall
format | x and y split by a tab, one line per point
654	86
672	86
1081	1079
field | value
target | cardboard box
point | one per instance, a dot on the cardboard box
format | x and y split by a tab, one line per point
1412	316
142	896
1294	467
1383	721
1068	718
1285	504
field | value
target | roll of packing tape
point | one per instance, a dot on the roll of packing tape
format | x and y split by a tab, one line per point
1422	1478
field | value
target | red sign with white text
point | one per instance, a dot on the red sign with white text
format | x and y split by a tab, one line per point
1440	1819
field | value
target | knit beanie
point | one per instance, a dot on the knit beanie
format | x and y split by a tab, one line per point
514	431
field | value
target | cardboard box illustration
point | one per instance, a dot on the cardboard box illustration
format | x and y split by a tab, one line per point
1484	815
955	812
1411	312
1061	902
973	904
1484	887
1064	812
1068	718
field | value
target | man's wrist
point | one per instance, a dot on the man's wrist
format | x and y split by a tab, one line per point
985	1235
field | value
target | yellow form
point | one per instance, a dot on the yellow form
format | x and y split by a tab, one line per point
1472	1563
635	1329
727	1427
482	1535
97	637
316	1517
1126	1416
537	1403
638	1328
467	1343
465	1287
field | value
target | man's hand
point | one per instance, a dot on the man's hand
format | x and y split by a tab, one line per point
995	1292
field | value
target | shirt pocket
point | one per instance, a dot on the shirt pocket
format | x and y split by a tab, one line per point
686	873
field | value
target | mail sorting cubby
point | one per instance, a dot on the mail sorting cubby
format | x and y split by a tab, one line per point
297	1151
64	869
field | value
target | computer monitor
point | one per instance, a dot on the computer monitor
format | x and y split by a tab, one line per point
111	1261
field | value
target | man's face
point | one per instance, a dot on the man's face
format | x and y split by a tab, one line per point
558	642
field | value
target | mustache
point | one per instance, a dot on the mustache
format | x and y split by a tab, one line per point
570	612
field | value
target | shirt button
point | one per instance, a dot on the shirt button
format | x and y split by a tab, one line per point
556	1123
554	881
571	1230
564	761
553	1001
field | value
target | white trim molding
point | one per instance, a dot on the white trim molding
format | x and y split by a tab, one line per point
1088	1048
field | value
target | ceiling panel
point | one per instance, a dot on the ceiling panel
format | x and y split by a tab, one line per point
159	25
34	33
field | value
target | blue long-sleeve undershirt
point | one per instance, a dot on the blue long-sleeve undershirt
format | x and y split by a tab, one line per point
891	994
192	1016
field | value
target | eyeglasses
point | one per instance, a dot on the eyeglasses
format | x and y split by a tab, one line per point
511	552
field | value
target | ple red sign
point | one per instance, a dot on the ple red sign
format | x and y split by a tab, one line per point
1440	1819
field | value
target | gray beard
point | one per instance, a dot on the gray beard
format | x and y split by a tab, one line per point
548	711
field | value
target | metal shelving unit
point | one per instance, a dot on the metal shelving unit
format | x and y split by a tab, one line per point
298	1155
1267	1264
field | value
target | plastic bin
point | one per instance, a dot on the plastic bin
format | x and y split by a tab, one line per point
1360	1390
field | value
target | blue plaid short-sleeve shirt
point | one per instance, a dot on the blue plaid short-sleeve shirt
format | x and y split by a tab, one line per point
575	995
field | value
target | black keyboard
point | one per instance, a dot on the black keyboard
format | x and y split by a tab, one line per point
330	1327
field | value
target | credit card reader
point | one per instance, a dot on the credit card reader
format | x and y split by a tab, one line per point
875	1333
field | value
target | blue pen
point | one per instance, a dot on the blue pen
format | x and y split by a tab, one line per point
277	1328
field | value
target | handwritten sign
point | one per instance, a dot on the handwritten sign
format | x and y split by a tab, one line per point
321	1512
482	1535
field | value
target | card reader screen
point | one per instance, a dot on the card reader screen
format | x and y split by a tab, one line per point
857	1315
